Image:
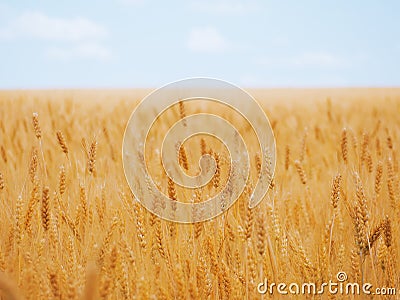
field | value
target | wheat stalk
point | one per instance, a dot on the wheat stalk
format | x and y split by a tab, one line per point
46	208
62	142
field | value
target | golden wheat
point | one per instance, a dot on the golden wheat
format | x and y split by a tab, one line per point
71	227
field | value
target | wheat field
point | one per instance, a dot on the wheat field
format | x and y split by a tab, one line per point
71	229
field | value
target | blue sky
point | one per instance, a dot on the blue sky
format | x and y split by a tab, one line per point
144	43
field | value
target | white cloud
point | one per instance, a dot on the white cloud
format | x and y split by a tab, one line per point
224	7
316	59
85	51
79	37
206	40
40	26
